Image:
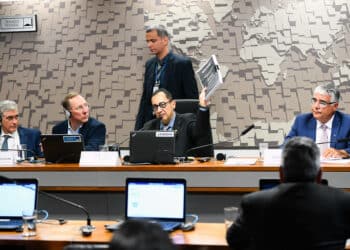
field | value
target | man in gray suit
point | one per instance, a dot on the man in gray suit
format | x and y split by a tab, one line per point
299	213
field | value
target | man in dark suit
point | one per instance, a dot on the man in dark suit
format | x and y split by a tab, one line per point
192	130
300	213
15	134
166	70
79	121
325	125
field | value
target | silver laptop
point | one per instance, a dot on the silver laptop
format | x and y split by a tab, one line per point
16	195
160	200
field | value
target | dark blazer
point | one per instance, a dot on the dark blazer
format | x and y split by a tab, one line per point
178	78
93	132
292	216
30	137
192	130
305	125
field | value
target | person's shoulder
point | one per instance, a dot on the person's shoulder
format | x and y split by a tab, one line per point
151	61
178	58
342	115
94	122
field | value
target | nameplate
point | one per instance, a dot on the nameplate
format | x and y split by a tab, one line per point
272	157
8	158
99	159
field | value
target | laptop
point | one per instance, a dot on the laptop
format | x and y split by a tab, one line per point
62	148
158	200
152	146
16	195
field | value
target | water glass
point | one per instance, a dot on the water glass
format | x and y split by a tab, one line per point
263	146
22	152
103	148
29	222
230	215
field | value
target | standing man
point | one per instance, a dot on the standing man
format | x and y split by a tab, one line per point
166	70
300	213
13	135
325	124
78	121
192	130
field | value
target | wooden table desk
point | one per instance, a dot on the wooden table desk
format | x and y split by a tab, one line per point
211	176
54	237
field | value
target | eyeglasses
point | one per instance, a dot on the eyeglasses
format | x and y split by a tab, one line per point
81	107
161	105
11	117
322	103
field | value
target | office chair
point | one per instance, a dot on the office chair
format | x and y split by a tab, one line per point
186	106
86	247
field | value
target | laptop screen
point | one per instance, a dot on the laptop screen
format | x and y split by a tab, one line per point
152	146
62	148
17	195
156	199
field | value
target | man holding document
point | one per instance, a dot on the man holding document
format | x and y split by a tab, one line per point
327	126
191	130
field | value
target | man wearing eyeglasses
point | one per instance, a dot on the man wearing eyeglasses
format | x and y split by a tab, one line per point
13	135
78	121
191	130
327	126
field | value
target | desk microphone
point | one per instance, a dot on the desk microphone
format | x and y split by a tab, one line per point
339	140
221	156
86	230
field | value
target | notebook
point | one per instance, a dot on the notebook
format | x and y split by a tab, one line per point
62	148
159	200
16	195
152	146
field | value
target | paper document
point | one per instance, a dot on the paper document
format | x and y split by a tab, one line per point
240	161
210	76
335	160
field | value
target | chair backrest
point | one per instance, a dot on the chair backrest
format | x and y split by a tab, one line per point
86	247
186	106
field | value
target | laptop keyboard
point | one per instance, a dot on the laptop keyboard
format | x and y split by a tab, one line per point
8	224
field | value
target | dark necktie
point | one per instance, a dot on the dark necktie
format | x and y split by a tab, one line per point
5	145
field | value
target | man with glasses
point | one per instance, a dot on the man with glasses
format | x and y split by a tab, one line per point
191	130
13	135
327	126
166	70
78	121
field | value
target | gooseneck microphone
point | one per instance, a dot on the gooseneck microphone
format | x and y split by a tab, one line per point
86	230
245	131
339	140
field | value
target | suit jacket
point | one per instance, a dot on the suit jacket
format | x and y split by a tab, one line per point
192	131
305	125
30	137
93	132
292	216
178	78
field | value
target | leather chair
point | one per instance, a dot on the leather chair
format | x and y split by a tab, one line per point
186	106
86	247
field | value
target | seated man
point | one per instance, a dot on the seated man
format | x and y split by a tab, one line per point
325	124
79	122
13	135
299	213
192	130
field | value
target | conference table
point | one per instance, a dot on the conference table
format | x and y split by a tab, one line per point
212	176
52	236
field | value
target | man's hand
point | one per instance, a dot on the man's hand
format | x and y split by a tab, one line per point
202	101
335	153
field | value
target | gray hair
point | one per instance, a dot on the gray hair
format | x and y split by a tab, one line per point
329	90
161	31
7	105
300	160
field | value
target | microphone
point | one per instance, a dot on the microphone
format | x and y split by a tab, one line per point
86	230
245	131
339	140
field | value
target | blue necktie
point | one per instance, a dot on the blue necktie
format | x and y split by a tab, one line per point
5	145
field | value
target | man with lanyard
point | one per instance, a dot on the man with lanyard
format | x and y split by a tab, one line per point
166	70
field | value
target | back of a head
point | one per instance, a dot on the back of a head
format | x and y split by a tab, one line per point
141	235
300	160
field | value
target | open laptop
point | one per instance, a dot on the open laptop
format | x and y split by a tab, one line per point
159	200
62	148
16	195
152	146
